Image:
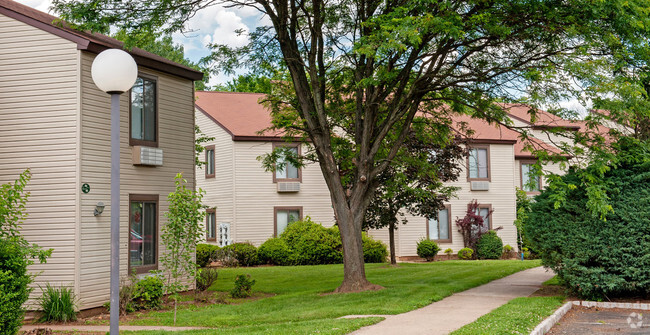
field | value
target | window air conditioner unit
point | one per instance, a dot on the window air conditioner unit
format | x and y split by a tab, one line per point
147	156
480	186
287	187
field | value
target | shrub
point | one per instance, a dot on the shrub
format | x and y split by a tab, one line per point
243	286
508	251
57	304
312	243
206	254
489	246
14	289
373	251
593	257
205	278
148	293
427	249
465	253
449	252
274	251
244	252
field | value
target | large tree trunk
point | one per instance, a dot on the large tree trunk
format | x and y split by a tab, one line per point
354	272
391	238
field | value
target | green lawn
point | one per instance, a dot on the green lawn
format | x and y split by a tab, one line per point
518	316
299	305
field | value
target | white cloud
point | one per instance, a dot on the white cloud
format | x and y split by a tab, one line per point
42	5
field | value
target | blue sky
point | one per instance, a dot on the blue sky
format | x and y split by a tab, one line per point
215	24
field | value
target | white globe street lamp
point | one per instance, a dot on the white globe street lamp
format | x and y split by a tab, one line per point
114	71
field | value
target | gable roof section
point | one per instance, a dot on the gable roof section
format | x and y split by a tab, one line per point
239	114
92	42
543	119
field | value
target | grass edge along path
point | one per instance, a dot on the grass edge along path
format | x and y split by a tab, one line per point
301	294
518	316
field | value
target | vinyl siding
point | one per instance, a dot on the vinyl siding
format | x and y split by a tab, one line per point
38	131
256	195
176	139
501	196
219	190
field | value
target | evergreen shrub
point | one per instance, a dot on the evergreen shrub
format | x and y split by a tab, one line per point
598	259
489	246
427	249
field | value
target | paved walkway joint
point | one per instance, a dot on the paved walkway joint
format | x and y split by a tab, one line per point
457	310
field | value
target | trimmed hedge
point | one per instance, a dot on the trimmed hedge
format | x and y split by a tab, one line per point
312	244
374	251
427	249
274	251
244	252
598	259
489	246
14	290
205	254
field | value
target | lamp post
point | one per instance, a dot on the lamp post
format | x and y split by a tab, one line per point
114	71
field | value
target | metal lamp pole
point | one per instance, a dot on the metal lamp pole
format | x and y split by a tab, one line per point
114	71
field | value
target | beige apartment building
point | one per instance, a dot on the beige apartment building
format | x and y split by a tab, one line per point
250	204
56	122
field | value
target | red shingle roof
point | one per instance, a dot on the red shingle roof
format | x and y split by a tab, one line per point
92	42
543	119
243	117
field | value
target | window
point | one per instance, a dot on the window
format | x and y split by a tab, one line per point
143	233
440	229
288	172
284	216
209	161
211	224
530	180
479	163
485	211
144	110
224	234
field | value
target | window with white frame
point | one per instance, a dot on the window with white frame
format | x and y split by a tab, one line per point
224	234
439	229
478	163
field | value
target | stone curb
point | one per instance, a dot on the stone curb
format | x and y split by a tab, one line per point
549	322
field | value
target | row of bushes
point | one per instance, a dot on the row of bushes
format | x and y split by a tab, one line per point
489	246
302	243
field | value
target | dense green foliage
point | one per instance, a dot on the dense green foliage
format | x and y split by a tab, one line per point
427	249
57	304
243	286
298	294
206	278
374	251
489	246
14	289
148	293
311	243
16	254
599	259
274	251
518	316
245	253
206	254
523	211
465	253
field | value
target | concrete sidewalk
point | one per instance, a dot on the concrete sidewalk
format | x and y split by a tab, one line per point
457	310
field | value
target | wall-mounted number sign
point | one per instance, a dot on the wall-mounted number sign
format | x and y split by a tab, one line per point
85	188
